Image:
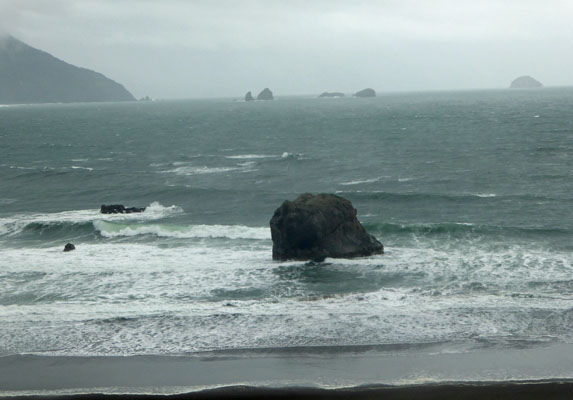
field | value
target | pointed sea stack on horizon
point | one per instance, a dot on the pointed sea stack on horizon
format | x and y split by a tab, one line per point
314	227
525	82
265	94
249	96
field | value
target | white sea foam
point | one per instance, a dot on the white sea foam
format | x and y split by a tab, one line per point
485	195
297	156
200	170
250	156
361	181
86	168
16	223
110	230
146	299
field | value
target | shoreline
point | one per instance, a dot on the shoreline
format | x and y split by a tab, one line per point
438	370
523	390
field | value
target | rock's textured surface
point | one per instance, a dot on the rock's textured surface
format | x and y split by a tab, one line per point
119	209
314	227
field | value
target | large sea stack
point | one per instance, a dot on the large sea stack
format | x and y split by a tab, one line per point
525	82
29	75
265	94
314	227
249	96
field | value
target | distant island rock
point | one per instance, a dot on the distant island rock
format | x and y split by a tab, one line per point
314	227
332	94
29	75
525	82
249	96
366	93
146	98
266	94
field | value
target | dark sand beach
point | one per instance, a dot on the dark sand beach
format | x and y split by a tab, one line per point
478	390
431	372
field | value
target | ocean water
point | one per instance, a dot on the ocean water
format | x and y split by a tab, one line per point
470	192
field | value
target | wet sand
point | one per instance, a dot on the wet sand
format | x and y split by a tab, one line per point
427	372
468	391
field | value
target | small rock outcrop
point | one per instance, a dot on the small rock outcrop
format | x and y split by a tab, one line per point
249	96
525	82
69	247
314	227
366	93
332	94
265	94
119	209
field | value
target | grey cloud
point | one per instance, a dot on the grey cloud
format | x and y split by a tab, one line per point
181	48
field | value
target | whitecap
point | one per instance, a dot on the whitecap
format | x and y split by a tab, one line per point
16	223
111	230
249	156
86	168
189	170
361	181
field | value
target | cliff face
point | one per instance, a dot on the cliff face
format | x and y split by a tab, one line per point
29	75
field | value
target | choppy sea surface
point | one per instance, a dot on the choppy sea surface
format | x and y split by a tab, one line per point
470	192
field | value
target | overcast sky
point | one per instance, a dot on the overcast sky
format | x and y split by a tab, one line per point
220	48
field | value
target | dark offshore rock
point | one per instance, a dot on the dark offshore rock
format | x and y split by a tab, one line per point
525	82
119	209
314	227
69	247
266	94
366	93
332	94
249	96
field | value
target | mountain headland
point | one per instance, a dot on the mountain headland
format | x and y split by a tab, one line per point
29	75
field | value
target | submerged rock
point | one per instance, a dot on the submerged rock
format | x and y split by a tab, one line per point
332	94
525	82
314	227
265	94
366	93
119	209
249	96
69	247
